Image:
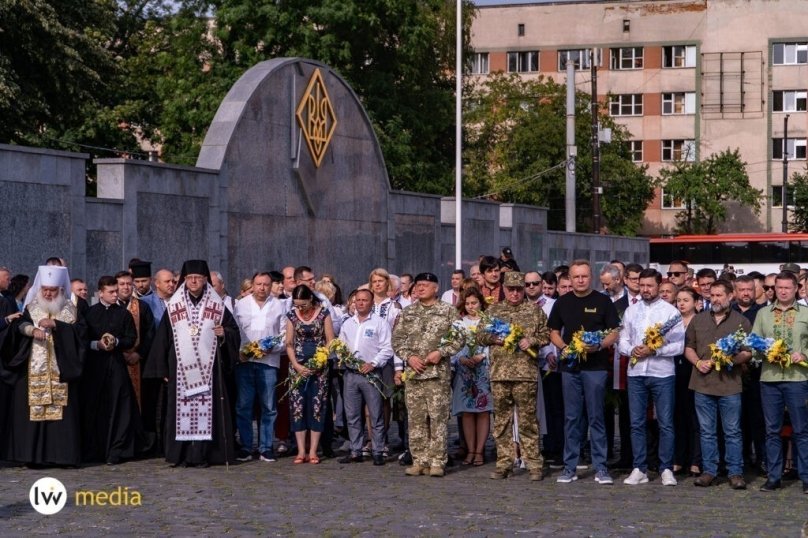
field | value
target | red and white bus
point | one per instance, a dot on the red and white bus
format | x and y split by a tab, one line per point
744	252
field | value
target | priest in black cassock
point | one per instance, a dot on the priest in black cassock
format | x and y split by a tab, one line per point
110	416
42	358
195	348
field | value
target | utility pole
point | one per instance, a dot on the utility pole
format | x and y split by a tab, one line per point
596	188
784	196
459	138
569	205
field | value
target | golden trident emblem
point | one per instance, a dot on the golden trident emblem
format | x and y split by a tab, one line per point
316	117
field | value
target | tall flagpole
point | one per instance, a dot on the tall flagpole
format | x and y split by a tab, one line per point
459	138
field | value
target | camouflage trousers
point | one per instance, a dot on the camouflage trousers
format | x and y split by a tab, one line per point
519	396
428	403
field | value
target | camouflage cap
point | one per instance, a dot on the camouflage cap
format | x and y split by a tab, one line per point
514	279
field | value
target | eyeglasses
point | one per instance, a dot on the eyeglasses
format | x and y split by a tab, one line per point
531	284
767	288
676	273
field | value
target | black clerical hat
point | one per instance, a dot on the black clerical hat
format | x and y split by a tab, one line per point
429	277
195	267
140	269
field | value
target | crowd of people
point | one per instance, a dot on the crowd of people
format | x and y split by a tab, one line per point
169	364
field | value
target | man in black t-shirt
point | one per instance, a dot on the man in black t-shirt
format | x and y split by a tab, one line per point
584	382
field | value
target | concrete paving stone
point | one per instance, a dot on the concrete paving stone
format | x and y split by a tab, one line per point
331	499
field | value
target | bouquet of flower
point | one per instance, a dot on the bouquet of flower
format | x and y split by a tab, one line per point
348	359
509	333
316	363
759	345
258	348
458	334
775	351
722	351
655	334
581	339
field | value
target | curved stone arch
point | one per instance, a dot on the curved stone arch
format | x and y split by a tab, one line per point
270	187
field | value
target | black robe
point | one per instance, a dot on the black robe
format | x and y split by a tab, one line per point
51	442
110	417
162	363
6	309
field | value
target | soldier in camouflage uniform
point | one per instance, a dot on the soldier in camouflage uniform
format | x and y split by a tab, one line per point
514	376
417	340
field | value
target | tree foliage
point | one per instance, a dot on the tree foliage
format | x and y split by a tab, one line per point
798	221
516	152
705	188
54	66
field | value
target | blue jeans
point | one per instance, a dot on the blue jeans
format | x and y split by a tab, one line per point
662	390
256	380
588	388
730	408
775	397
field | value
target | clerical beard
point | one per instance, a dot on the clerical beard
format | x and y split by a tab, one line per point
53	306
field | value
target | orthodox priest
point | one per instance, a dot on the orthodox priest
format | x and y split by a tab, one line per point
194	349
43	355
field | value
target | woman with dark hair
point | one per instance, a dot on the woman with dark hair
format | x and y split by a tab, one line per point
685	421
17	288
471	390
307	328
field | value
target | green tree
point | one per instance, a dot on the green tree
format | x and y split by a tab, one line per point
515	151
706	187
798	221
54	66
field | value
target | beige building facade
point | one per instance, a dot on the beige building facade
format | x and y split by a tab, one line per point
688	78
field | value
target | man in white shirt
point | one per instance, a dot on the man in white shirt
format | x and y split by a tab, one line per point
368	336
652	374
450	296
258	315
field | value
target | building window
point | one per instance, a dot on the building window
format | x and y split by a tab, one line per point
679	56
777	196
635	149
671	202
789	101
627	58
796	148
479	63
678	150
520	30
581	58
628	104
790	53
679	103
523	61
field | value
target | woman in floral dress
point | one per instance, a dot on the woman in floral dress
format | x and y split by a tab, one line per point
307	328
471	395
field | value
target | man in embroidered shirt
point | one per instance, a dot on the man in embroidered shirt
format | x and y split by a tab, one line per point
651	373
368	336
785	387
258	315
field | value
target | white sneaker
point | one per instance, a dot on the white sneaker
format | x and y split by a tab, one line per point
517	463
668	478
636	477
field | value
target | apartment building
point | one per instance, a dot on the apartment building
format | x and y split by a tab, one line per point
688	78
